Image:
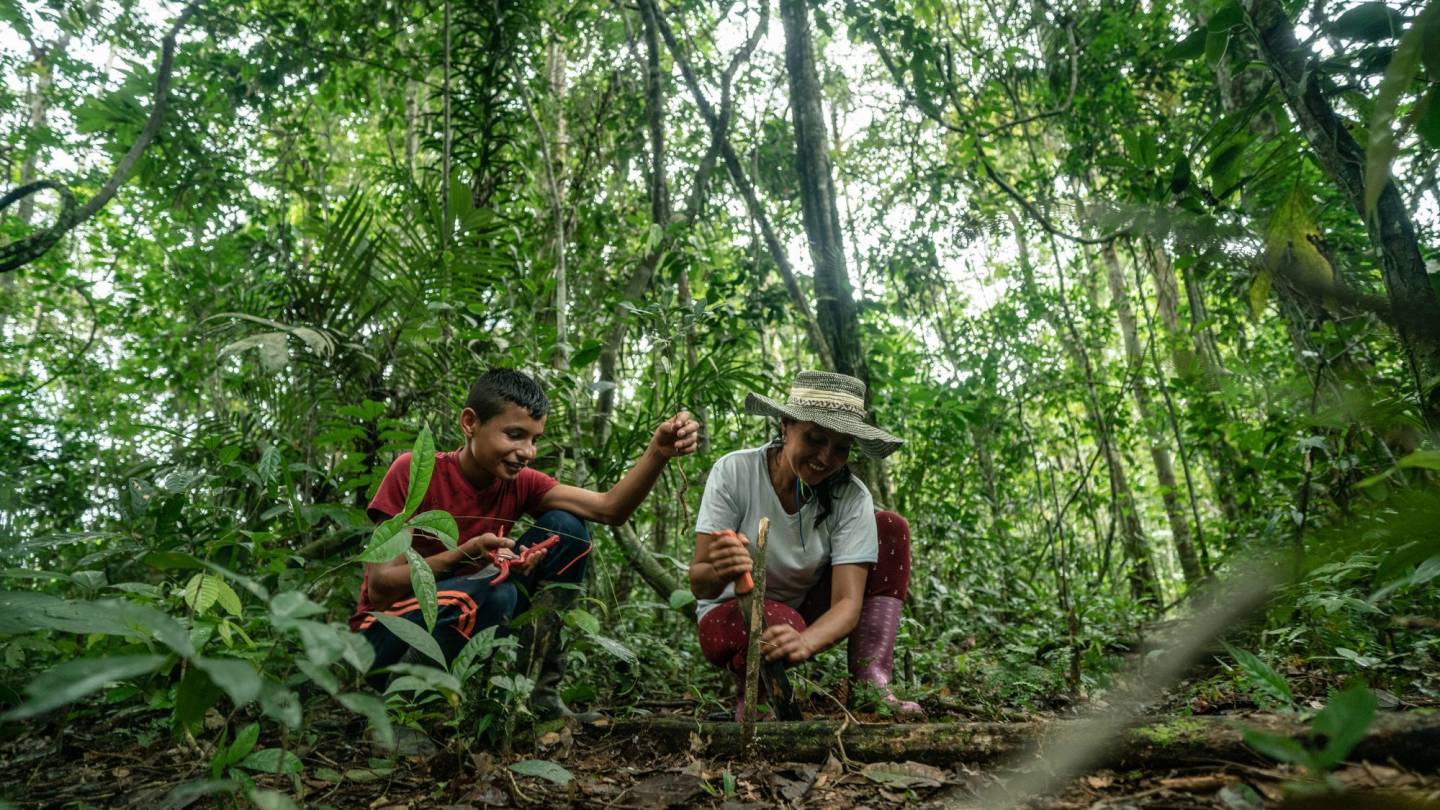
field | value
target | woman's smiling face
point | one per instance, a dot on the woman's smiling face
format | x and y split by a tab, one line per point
815	453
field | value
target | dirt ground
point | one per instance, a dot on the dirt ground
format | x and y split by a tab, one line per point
89	766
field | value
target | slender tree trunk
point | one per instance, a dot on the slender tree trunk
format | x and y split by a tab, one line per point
1159	451
835	308
1415	309
1144	584
835	301
555	76
753	205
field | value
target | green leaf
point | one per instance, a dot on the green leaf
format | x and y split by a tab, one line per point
201	592
76	679
479	648
372	709
1422	459
244	743
288	607
280	704
439	523
228	599
544	769
26	611
1404	64
1369	22
193	697
1216	44
1427	116
319	674
1192	46
238	678
1263	676
615	648
589	351
272	760
680	597
1277	747
422	466
420	678
389	541
1226	17
1342	724
412	634
422	584
584	620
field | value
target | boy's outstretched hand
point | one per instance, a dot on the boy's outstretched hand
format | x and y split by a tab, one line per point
677	436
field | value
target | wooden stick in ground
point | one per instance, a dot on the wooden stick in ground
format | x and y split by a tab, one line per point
753	607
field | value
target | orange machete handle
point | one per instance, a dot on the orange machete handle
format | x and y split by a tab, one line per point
746	583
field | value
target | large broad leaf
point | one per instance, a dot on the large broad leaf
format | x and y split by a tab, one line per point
324	643
389	541
1404	64
439	523
205	590
412	634
422	584
422	465
74	680
28	611
372	709
286	608
238	678
543	768
1342	724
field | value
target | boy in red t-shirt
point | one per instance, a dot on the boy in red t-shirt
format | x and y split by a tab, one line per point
487	485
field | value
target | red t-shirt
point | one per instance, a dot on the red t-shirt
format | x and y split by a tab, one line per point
476	511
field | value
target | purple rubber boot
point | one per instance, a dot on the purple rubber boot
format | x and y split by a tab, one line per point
871	650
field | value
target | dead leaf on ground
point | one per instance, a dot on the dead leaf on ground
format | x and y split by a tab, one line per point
1100	781
904	774
668	789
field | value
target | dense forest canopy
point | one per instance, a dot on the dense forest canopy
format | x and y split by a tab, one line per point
1149	288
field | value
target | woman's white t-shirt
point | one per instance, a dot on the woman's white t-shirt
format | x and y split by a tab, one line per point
739	493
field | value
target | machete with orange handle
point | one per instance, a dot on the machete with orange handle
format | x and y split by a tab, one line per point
752	613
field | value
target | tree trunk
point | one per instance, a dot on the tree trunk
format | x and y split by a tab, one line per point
1159	451
1415	309
835	302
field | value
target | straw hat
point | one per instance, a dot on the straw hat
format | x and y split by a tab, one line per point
834	401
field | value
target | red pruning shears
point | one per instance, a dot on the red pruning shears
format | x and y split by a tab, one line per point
525	556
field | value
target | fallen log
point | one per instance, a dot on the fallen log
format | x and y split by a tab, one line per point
1410	740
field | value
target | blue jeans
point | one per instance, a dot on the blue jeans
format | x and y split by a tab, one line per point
470	603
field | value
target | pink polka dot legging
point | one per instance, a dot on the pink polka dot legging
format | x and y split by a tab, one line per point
723	635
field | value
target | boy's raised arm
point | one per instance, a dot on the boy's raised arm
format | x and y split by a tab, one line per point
677	436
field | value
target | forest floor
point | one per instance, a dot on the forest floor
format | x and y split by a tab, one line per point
113	762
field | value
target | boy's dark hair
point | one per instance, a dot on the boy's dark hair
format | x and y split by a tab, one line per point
499	386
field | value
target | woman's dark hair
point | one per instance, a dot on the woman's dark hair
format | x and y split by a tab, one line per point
498	386
827	490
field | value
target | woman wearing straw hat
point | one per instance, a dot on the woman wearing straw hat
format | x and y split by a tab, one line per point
835	569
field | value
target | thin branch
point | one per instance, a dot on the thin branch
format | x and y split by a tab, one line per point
20	253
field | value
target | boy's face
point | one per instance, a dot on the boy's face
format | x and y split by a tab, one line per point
503	445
